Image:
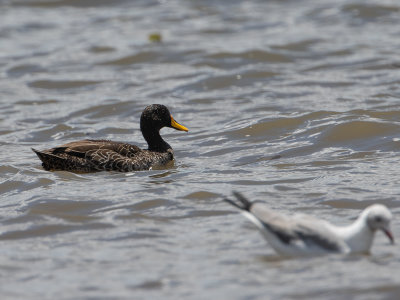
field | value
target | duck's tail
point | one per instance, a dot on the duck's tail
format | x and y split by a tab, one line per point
49	161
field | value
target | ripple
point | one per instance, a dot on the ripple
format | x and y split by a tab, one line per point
24	69
245	182
142	57
101	49
376	291
49	230
301	46
150	285
201	195
359	205
150	204
46	134
253	55
62	84
61	3
70	211
15	186
370	12
6	169
114	108
37	102
367	134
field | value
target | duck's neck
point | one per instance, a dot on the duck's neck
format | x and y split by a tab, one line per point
155	141
358	236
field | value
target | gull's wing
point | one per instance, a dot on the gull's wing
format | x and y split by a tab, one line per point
303	232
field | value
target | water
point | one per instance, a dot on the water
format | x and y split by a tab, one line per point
314	82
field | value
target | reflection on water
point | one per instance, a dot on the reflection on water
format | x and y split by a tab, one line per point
294	103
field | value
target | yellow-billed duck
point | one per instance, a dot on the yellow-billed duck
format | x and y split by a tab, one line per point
100	155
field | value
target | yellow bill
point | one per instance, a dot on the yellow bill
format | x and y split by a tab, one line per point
177	126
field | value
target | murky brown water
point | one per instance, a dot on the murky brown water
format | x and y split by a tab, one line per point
315	82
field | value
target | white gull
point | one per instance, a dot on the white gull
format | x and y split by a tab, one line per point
300	235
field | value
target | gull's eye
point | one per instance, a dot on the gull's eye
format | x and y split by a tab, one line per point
378	219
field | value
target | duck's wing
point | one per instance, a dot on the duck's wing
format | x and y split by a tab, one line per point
92	155
110	160
114	156
81	148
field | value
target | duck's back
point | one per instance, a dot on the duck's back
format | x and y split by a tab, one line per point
101	155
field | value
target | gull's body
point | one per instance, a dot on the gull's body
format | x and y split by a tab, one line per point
305	235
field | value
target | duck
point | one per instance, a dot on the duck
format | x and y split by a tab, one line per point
105	155
305	235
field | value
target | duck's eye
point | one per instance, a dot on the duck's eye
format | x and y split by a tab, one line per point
378	219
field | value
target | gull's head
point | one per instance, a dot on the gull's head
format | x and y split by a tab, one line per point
378	217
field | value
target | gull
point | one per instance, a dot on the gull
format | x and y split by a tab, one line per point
303	235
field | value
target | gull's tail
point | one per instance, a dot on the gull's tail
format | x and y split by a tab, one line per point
243	204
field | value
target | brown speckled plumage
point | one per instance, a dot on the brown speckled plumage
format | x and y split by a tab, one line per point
104	155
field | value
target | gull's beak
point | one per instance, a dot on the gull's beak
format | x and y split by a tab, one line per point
177	126
389	234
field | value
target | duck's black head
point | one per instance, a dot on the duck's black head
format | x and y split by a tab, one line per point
155	117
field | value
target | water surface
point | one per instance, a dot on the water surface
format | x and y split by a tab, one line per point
314	82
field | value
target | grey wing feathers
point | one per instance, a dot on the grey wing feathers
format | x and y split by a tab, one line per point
279	224
290	230
269	219
310	231
318	234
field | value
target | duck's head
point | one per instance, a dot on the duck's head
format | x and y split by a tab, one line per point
378	217
157	116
